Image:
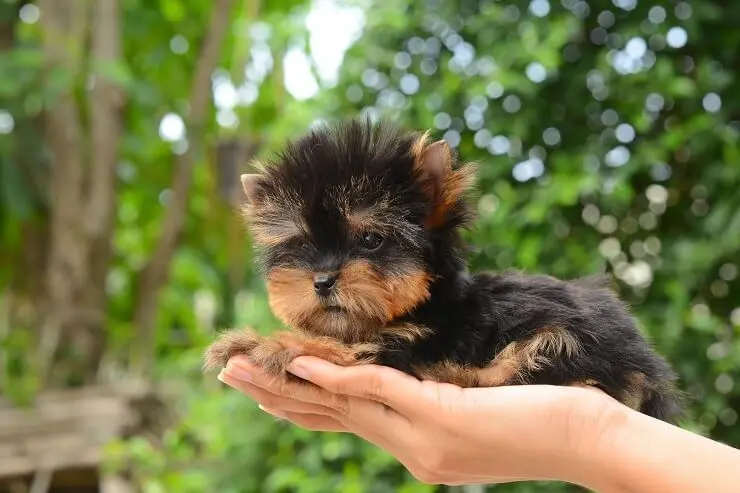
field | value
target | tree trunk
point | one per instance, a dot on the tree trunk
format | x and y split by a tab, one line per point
82	192
63	25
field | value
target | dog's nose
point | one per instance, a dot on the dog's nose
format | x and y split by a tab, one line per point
324	283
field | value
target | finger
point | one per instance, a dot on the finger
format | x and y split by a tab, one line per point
369	419
305	397
387	386
304	391
325	423
359	416
273	401
394	443
308	421
459	480
318	422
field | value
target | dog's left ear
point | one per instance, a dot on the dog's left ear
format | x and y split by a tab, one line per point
434	164
444	186
250	182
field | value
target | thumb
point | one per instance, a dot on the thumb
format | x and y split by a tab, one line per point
382	384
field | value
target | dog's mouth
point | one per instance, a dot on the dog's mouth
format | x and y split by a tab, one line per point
333	309
331	305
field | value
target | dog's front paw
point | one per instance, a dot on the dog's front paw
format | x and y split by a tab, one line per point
229	344
274	353
271	353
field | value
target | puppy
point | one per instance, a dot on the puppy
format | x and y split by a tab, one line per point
357	227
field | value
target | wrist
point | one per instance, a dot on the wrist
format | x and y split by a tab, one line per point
593	429
649	455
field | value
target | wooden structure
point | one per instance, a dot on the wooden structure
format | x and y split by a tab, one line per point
57	444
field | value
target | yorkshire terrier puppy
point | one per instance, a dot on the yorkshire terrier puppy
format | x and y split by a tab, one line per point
357	227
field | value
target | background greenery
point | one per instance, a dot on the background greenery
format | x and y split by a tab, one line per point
608	136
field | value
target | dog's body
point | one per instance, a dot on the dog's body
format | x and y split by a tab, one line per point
358	231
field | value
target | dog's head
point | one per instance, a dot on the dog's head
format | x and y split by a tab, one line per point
344	220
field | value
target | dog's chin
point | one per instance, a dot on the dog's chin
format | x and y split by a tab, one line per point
333	309
339	323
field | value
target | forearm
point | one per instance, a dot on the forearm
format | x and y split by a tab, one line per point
645	455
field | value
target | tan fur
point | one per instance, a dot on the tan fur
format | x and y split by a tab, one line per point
274	219
406	332
369	301
229	344
455	186
275	233
448	372
417	149
511	364
419	152
381	298
500	372
296	305
364	220
454	183
408	291
274	353
290	295
383	219
533	354
636	391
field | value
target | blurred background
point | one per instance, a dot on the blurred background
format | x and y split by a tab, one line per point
608	133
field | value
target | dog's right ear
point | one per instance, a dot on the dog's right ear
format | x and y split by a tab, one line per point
250	182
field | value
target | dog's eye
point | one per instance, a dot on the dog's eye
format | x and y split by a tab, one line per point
370	241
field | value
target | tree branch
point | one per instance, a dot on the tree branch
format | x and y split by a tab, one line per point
154	274
106	101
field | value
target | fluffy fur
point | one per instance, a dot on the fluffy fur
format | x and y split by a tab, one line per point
357	227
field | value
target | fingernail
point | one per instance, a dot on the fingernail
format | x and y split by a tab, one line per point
298	370
221	378
271	412
266	410
238	373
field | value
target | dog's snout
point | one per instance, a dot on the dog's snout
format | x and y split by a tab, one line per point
324	283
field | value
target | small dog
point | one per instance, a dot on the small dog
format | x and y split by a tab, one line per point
357	227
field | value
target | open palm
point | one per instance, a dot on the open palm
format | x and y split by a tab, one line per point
441	433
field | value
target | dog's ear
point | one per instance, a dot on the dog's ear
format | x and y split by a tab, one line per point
433	163
250	182
444	185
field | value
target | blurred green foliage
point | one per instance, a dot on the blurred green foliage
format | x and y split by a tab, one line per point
608	134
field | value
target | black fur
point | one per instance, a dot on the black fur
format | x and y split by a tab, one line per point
331	159
471	316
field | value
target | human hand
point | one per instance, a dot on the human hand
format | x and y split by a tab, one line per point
441	433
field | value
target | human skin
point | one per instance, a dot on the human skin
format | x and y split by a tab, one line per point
444	434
